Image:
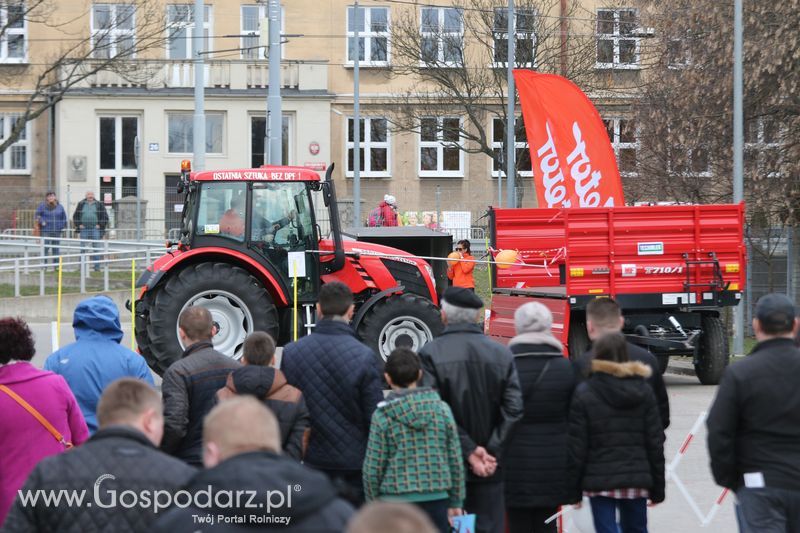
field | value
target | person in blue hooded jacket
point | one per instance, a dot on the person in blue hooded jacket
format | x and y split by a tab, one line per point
96	358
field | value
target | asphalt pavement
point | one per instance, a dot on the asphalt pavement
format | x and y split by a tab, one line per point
688	398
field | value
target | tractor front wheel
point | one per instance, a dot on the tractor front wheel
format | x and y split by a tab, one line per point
406	320
239	305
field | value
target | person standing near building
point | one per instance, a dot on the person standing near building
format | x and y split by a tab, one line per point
51	219
754	424
459	271
477	378
91	220
616	440
385	214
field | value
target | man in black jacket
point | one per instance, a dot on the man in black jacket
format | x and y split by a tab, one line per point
258	378
604	316
249	486
477	378
754	424
121	458
190	385
90	220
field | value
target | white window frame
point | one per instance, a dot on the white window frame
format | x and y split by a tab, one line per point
256	34
24	142
617	144
440	145
367	143
616	37
368	35
440	35
501	146
188	24
114	33
497	33
9	31
118	172
761	145
185	112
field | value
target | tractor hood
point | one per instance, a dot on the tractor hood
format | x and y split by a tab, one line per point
376	266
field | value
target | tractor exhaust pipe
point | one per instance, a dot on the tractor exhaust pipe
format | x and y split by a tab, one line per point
336	225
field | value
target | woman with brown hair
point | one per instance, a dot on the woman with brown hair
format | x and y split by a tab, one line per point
459	269
38	412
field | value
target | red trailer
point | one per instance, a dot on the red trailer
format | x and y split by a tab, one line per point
671	268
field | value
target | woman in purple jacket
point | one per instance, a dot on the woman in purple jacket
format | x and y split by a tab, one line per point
24	440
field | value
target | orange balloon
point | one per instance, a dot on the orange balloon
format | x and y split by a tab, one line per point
453	255
507	257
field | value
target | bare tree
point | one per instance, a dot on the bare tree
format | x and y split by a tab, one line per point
685	112
457	56
82	52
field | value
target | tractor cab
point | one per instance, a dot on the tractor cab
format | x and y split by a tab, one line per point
266	212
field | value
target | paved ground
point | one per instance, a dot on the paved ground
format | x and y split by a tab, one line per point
687	398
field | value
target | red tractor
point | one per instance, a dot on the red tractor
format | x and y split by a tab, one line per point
240	232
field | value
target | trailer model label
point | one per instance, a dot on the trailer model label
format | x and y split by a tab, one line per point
632	270
628	271
651	248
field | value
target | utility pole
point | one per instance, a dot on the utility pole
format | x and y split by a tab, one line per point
511	151
199	133
274	113
738	152
356	123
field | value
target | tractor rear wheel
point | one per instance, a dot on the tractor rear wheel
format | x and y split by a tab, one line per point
406	320
238	302
714	354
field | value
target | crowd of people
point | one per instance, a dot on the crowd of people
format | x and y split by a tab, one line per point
506	433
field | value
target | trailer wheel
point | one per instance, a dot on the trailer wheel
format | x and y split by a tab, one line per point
405	320
663	363
714	353
238	302
577	338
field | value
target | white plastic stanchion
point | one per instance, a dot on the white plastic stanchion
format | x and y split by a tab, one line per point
672	475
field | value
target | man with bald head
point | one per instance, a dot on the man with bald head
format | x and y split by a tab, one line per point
190	385
242	456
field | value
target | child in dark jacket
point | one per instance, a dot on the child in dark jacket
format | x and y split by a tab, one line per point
414	453
616	411
258	378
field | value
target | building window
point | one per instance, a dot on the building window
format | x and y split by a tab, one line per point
523	155
13	36
373	148
440	153
373	35
180	135
442	34
678	54
180	24
117	165
17	157
617	46
113	30
624	140
251	31
762	147
258	132
525	31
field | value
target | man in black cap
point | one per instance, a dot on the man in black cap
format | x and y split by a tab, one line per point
754	424
477	378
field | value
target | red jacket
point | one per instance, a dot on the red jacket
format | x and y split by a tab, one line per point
388	214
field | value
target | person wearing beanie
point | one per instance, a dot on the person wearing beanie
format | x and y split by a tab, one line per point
385	214
536	459
476	377
754	423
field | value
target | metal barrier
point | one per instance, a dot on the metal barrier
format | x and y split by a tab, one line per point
26	255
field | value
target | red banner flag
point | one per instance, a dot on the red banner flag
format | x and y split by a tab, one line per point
573	160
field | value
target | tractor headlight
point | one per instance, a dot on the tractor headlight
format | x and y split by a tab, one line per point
429	270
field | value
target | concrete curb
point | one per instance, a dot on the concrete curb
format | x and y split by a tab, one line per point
680	367
43	308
